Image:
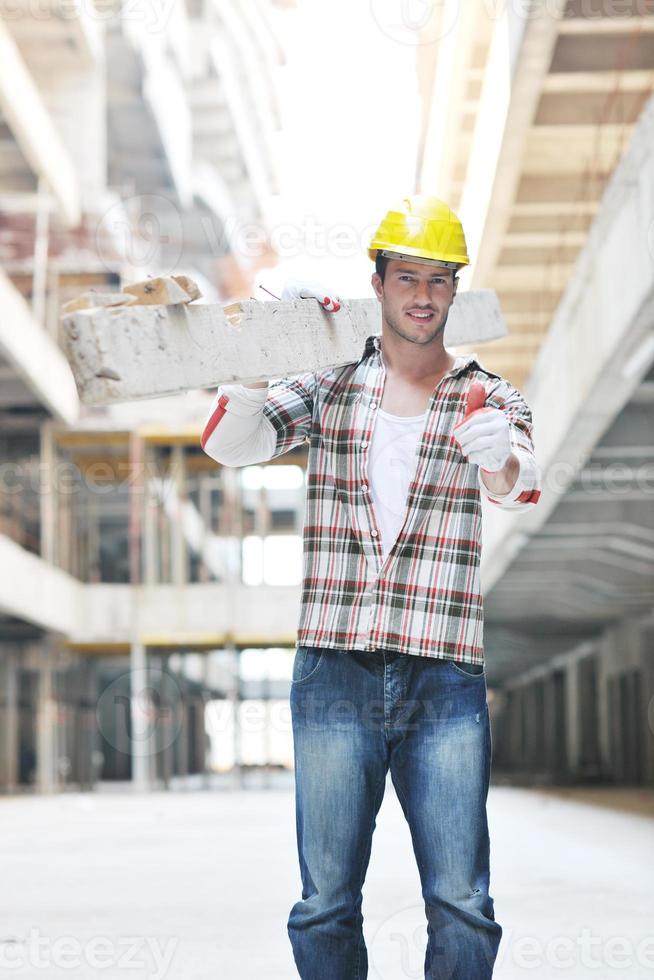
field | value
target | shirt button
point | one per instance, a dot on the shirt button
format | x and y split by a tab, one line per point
364	487
373	404
364	444
374	532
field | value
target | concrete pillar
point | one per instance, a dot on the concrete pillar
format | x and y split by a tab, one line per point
150	519
48	498
573	696
235	700
85	733
47	777
647	656
182	726
143	719
589	758
8	720
179	551
167	730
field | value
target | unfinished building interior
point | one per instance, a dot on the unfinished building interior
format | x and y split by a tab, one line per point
148	596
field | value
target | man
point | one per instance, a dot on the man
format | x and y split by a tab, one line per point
389	666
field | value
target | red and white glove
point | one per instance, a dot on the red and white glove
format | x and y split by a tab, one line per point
327	298
485	433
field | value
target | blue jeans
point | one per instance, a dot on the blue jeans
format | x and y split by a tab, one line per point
355	715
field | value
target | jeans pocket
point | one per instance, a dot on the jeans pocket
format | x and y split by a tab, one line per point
306	663
467	669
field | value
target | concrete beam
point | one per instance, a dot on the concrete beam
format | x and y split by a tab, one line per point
544	239
225	64
574	150
609	81
584	108
492	182
34	130
561	189
532	279
443	128
560	209
599	348
607	25
34	591
36	358
146	351
201	615
56	36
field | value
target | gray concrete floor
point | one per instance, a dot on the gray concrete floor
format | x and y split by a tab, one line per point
198	885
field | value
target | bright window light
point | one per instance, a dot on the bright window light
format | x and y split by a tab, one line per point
282	559
283	477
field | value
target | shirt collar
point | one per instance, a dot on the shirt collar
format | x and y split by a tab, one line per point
463	361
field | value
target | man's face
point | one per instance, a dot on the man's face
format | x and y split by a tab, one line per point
415	298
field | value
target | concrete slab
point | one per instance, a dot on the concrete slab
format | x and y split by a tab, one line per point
198	885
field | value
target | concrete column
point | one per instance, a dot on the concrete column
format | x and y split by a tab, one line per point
514	726
207	695
47	777
150	534
573	696
86	726
48	499
235	699
8	720
167	723
143	718
179	554
182	726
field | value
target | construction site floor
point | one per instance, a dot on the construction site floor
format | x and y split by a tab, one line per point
197	885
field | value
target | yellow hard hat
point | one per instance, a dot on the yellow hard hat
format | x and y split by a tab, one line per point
421	227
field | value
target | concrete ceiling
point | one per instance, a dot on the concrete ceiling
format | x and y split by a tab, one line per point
582	75
600	76
592	562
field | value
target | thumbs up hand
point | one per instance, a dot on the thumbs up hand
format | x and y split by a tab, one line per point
484	436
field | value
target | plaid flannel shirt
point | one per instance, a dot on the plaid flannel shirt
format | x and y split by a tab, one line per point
425	597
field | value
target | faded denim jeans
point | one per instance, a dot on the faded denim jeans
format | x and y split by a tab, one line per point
355	715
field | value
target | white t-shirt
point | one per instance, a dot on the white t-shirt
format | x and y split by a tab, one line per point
391	467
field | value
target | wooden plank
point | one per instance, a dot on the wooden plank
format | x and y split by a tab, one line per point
133	352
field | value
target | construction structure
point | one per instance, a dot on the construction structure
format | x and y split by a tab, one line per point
138	578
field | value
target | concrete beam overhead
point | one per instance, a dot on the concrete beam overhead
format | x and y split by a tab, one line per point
574	150
34	131
605	80
582	189
37	360
34	591
607	25
531	278
598	350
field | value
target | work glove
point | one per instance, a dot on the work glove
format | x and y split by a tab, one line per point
485	433
311	290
